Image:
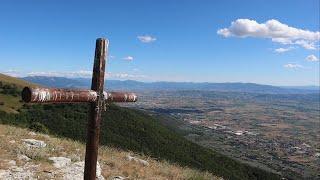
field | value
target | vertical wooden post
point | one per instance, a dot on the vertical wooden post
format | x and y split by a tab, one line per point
93	128
96	96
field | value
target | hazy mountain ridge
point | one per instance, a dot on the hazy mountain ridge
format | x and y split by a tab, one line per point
171	86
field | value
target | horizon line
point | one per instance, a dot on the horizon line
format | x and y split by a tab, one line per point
159	81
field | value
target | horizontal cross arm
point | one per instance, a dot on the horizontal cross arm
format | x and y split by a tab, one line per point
56	95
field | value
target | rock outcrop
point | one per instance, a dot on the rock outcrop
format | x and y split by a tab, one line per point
34	143
60	162
141	161
15	172
75	171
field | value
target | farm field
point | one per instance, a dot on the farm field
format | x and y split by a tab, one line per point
275	131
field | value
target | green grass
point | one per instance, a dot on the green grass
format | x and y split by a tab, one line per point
12	80
10	103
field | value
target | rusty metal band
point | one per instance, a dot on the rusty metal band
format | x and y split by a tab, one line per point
56	95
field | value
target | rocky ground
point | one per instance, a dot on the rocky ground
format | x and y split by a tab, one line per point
29	155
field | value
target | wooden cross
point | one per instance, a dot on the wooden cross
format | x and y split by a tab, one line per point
97	97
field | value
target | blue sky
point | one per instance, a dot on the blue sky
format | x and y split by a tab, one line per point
269	42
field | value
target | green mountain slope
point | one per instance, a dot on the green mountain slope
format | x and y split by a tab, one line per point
131	130
10	89
12	80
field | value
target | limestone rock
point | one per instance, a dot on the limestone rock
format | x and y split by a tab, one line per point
16	173
12	163
34	143
60	162
32	133
118	178
23	157
75	171
75	157
17	169
141	161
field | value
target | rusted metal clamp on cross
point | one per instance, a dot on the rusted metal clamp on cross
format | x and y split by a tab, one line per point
97	97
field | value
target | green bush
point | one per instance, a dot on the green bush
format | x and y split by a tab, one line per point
38	127
9	89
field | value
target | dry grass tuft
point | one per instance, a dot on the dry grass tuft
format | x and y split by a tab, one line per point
113	161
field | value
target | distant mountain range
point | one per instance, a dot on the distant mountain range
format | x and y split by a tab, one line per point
129	85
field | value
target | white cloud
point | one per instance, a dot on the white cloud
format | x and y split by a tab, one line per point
282	50
112	57
274	30
12	72
125	76
70	74
146	38
312	58
307	45
74	74
44	73
129	58
293	66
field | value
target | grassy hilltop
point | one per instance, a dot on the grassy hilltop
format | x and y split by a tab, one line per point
10	89
123	128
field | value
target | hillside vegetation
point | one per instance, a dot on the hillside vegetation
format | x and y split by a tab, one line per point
129	130
113	162
10	90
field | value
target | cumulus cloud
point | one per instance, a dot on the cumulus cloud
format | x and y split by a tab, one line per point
128	58
146	38
293	66
312	58
274	30
282	50
311	45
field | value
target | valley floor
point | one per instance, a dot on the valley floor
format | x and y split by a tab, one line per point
276	132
